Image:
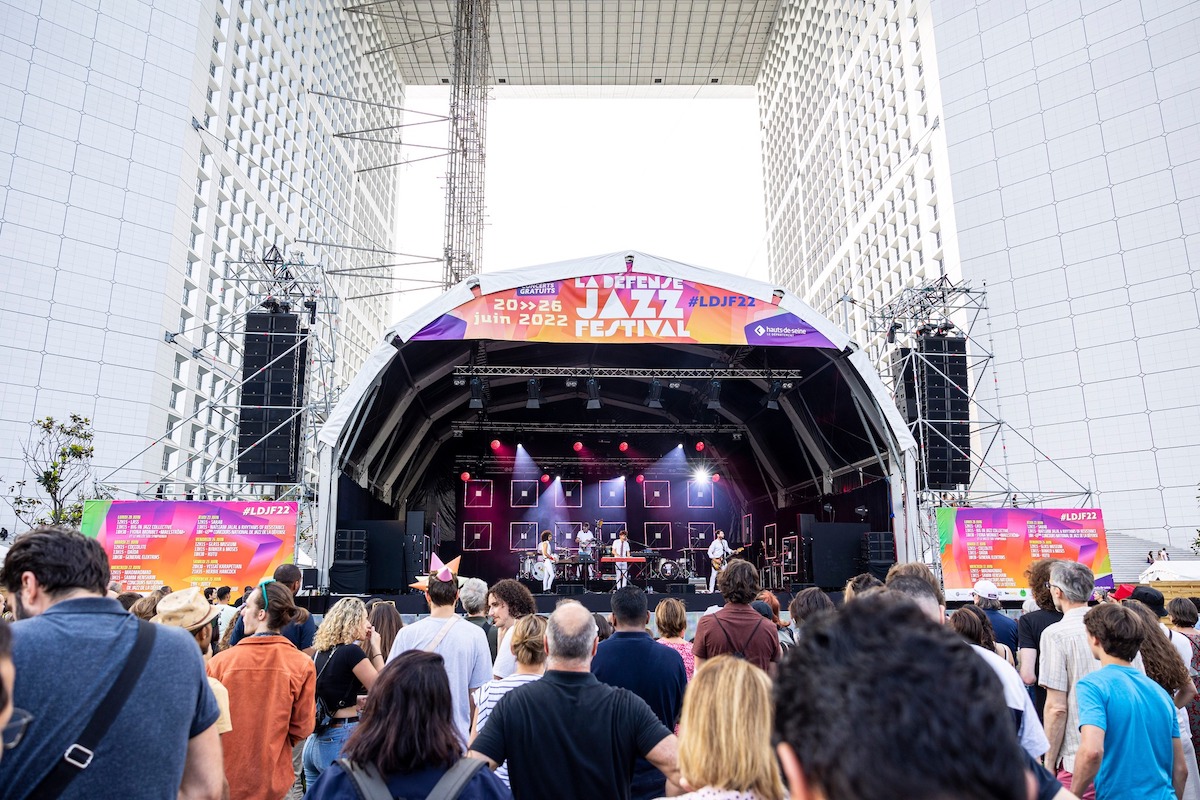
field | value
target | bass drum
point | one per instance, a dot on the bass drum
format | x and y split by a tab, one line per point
539	571
670	570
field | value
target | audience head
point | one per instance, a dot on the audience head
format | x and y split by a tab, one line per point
725	730
223	595
407	722
473	596
209	594
670	617
268	608
604	628
1071	582
738	582
629	607
49	562
920	593
917	569
529	640
508	601
1038	577
1182	612
971	623
1159	657
387	622
571	635
986	595
289	575
1151	598
807	603
346	622
442	593
146	607
859	584
188	609
127	599
1115	630
940	695
768	597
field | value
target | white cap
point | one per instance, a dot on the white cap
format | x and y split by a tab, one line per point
987	590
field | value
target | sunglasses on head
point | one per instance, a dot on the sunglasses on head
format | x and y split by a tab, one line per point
263	585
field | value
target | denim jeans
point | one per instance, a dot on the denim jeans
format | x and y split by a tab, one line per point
323	749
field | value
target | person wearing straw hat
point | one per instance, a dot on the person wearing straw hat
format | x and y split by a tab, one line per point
190	610
462	646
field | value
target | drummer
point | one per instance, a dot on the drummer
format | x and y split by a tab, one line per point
587	549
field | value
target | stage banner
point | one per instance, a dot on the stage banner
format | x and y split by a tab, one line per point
624	308
999	544
182	543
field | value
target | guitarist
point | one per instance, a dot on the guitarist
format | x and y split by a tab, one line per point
719	553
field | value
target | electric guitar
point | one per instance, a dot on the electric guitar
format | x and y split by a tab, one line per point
719	563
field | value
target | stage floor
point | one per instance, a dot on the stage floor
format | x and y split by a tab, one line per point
593	601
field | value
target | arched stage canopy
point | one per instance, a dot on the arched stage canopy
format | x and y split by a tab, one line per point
798	411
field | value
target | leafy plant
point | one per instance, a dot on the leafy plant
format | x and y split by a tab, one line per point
59	455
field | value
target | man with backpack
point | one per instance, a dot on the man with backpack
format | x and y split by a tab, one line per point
736	628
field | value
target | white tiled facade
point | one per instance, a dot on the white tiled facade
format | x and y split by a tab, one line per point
1072	148
119	218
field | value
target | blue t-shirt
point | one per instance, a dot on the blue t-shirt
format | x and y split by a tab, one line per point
335	784
1139	722
1005	628
65	660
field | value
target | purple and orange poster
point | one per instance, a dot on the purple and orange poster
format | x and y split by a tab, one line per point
181	543
624	308
999	544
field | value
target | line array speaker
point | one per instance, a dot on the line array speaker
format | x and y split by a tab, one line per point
274	358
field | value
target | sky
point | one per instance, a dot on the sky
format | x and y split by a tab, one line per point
569	177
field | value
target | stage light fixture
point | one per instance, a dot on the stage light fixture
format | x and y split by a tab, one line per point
495	444
459	380
623	446
700	475
862	511
713	395
699	447
771	401
578	446
466	476
640	478
891	334
572	383
593	390
654	395
716	477
545	478
476	394
674	384
534	390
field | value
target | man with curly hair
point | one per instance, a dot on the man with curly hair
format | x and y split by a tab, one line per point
508	601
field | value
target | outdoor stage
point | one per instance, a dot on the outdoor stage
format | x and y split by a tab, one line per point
594	601
665	399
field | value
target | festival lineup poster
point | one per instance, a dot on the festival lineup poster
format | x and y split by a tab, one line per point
999	544
624	308
182	543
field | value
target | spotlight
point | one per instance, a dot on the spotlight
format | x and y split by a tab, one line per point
640	478
495	444
891	334
534	389
593	390
716	477
699	447
713	395
311	307
945	327
459	380
572	383
545	478
466	476
476	394
654	395
578	446
700	475
623	446
862	511
679	446
771	401
674	384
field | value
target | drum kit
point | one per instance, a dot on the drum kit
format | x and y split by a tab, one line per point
530	568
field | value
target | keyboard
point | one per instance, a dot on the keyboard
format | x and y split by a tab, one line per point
623	559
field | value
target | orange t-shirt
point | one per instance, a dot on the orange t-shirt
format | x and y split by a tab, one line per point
272	703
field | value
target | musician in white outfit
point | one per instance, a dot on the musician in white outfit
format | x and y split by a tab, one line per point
547	560
621	550
719	549
587	548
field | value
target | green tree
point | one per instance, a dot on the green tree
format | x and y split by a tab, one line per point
59	455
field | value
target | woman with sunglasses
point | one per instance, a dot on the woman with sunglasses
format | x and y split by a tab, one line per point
271	688
407	733
347	660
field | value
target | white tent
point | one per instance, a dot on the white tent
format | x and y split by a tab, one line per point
1171	571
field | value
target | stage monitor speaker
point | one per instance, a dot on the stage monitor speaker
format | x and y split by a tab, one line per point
273	376
309	578
415	562
836	552
681	588
349	545
879	546
349	577
569	589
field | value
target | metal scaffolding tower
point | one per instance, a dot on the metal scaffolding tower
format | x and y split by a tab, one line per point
468	132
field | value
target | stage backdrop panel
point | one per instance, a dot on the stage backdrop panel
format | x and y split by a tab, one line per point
182	543
999	544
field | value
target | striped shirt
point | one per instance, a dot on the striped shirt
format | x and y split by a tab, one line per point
489	695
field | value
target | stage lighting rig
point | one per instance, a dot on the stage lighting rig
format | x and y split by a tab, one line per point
534	389
654	395
713	395
593	390
476	400
771	401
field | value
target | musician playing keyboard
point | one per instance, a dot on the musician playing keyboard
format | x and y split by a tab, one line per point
621	550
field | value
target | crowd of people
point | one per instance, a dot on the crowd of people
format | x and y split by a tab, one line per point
882	695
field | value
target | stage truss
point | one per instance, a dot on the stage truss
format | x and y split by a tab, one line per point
943	308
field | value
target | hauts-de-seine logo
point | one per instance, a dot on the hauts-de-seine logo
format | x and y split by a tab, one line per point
760	330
